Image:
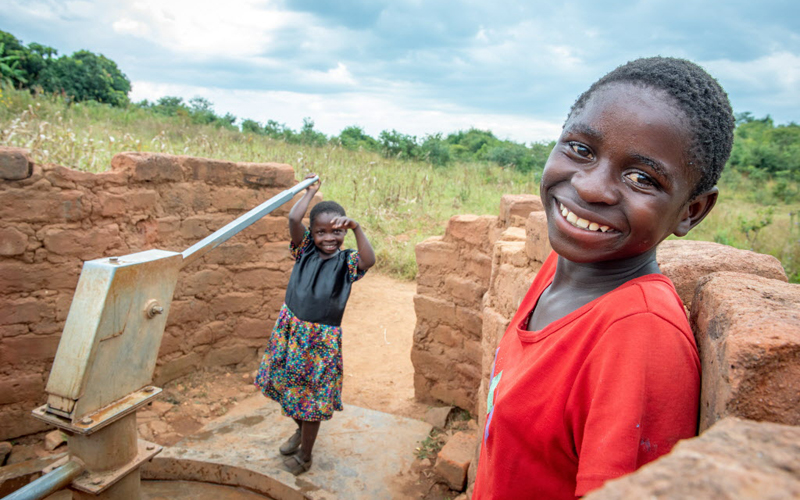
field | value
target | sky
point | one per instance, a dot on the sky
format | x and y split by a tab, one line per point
419	67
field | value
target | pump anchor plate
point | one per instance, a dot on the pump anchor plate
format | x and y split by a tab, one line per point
92	422
97	482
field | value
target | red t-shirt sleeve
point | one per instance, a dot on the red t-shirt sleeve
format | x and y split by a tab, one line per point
636	395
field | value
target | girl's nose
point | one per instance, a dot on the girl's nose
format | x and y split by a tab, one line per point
596	184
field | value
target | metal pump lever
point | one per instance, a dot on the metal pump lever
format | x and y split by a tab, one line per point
213	240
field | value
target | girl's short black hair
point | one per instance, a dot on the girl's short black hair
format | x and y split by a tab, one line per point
325	207
701	98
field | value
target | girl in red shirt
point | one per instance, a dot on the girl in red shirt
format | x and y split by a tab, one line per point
598	372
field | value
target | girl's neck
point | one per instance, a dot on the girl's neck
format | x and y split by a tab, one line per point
602	277
326	256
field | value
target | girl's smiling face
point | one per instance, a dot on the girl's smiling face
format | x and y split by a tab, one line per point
617	182
327	239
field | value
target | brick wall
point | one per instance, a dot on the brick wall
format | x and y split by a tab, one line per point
53	218
743	313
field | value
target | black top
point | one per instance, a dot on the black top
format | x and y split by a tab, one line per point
319	288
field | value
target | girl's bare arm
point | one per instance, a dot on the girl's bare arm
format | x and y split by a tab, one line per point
366	255
296	227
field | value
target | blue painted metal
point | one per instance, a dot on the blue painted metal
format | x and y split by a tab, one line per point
49	483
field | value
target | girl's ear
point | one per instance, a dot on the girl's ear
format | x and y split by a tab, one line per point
696	210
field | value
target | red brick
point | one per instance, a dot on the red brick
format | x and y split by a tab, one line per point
188	311
274	228
514	206
234	198
268	174
465	291
184	198
275	252
472	229
113	205
454	459
13	330
15	163
479	265
194	228
734	459
435	310
168	370
18	351
172	341
150	167
83	244
235	303
168	226
24	310
203	281
260	278
447	336
469	321
64	177
12	241
748	334
21	387
16	276
685	262
16	421
537	244
210	171
31	205
205	334
436	254
254	328
230	355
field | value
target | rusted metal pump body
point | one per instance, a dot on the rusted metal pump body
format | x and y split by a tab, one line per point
107	354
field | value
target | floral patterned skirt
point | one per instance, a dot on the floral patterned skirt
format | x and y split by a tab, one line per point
302	368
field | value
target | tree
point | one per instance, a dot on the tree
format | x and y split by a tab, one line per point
87	76
10	69
353	137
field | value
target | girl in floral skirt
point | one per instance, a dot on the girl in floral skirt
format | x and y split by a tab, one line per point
302	368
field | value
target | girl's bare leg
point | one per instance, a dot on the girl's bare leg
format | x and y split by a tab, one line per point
309	432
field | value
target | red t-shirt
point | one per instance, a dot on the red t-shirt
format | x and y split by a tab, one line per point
594	395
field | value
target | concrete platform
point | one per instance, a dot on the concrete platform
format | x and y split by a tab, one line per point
358	453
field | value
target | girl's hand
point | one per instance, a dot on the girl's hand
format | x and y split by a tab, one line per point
313	188
344	223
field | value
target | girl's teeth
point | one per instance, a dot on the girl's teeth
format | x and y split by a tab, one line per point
580	222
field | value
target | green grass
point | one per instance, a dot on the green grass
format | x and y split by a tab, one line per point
399	203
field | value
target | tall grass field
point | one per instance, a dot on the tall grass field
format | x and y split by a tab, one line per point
398	202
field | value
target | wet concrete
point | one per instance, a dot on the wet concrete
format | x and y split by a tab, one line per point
358	453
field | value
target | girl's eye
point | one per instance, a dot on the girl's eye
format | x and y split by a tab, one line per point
581	150
640	179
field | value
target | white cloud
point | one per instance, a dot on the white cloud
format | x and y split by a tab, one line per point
778	68
769	84
339	75
127	26
231	29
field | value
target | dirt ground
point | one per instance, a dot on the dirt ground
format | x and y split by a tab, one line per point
378	330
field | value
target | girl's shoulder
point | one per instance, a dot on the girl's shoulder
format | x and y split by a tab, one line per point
305	246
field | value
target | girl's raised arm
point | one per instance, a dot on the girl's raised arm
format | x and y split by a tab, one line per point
296	227
366	255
